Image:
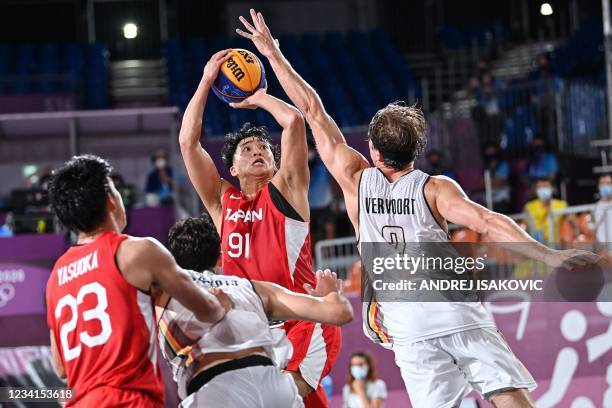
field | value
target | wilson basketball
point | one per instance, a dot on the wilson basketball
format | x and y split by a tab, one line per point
239	77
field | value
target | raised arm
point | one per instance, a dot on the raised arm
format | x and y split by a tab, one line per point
150	267
292	178
452	204
326	304
344	163
200	166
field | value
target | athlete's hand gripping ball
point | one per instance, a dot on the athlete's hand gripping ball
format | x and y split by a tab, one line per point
211	69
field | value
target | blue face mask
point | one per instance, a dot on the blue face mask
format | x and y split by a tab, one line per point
359	372
605	190
544	193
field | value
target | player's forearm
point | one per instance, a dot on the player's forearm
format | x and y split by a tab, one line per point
503	230
284	114
299	91
191	127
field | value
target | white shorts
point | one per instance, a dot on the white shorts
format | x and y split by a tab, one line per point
439	372
250	387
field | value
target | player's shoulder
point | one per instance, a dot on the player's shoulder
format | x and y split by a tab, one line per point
436	184
141	243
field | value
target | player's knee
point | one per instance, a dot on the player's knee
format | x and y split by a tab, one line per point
513	398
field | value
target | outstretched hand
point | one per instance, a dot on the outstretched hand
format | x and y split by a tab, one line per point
211	69
259	33
326	282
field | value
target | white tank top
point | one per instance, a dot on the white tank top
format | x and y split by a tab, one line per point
183	338
399	212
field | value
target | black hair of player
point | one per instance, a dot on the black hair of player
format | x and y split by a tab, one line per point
195	243
78	191
231	141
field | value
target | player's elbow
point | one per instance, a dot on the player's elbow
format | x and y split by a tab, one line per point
344	314
296	120
314	112
188	139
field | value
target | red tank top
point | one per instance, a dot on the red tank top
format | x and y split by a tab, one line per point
104	328
259	242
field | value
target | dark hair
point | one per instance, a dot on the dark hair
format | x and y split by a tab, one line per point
231	141
372	376
536	180
78	191
195	243
398	132
603	175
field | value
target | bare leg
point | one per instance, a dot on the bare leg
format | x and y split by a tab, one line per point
516	398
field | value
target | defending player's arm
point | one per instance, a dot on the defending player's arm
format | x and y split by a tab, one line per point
326	304
147	265
56	360
343	162
293	177
200	166
455	206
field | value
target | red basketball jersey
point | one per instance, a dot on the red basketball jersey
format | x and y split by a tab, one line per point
259	242
104	328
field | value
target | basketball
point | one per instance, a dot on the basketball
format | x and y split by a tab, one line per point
239	77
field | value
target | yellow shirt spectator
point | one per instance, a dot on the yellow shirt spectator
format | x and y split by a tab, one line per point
538	211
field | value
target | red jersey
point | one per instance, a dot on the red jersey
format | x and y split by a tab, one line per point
260	242
104	328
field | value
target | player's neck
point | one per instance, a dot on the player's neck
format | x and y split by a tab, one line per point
253	185
394	174
109	225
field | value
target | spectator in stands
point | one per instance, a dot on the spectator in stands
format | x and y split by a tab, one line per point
364	389
500	172
542	163
538	211
159	182
486	113
125	190
435	164
603	210
321	197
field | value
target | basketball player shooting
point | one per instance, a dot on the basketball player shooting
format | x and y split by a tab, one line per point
100	294
264	225
236	363
442	349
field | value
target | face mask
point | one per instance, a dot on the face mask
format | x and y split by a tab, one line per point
160	163
544	193
605	190
359	372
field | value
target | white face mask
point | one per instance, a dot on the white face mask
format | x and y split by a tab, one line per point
544	193
160	163
359	372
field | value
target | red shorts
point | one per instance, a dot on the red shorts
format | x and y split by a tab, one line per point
102	397
315	350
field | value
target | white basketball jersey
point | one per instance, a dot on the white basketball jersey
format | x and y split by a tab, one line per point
183	338
399	212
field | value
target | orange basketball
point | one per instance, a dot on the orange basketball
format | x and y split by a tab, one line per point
239	77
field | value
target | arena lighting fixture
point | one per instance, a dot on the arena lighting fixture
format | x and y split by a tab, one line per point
546	9
130	30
